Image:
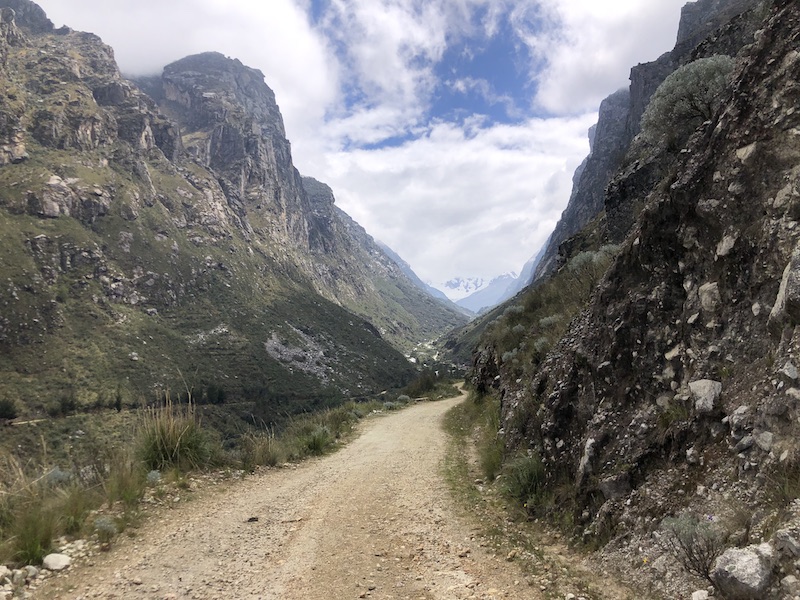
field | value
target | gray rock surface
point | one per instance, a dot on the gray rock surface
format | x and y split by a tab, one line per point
744	573
705	393
56	562
786	309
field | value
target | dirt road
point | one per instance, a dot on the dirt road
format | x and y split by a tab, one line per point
374	520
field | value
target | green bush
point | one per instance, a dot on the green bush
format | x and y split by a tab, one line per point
687	98
318	441
33	530
261	449
524	480
126	480
491	448
105	528
696	542
424	383
75	502
8	409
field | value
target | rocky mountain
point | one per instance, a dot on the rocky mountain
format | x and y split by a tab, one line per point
707	27
461	287
491	294
409	272
526	275
661	412
158	237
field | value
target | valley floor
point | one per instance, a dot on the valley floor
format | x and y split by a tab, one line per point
374	520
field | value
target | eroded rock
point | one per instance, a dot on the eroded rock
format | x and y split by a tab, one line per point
705	393
744	573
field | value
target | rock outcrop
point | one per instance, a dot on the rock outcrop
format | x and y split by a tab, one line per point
675	392
707	27
609	142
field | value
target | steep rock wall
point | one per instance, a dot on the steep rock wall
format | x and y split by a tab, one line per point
700	22
677	389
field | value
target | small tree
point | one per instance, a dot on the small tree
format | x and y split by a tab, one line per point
696	543
686	99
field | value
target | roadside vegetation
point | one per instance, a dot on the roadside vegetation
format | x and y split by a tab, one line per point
504	493
524	331
98	493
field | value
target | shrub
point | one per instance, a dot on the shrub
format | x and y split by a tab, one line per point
784	480
105	529
215	394
68	404
153	478
171	437
261	449
32	531
490	445
687	98
317	442
696	542
75	502
126	480
8	409
547	322
424	383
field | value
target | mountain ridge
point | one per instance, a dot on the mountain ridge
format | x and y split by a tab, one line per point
146	241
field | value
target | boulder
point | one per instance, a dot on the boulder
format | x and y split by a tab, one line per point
790	585
786	310
789	371
616	487
788	542
56	562
765	440
744	573
710	298
705	392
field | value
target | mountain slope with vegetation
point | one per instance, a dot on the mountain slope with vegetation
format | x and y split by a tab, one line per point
161	244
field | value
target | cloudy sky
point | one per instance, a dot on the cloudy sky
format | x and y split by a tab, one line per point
449	129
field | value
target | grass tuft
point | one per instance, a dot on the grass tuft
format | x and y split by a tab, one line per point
171	437
524	479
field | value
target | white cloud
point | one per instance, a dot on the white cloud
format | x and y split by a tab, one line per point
477	201
453	200
484	89
586	48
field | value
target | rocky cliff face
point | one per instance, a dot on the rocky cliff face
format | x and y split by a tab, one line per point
147	242
365	279
230	123
717	27
609	142
676	391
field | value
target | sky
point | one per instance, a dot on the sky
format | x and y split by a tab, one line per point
449	129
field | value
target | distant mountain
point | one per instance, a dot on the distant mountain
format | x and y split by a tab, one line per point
489	295
479	296
526	277
462	287
409	272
